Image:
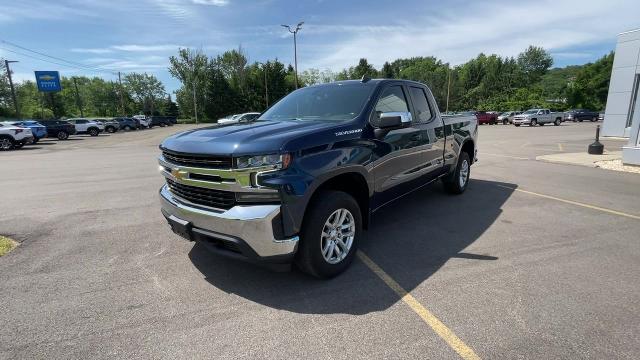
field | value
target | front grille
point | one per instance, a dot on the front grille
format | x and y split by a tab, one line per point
209	162
208	197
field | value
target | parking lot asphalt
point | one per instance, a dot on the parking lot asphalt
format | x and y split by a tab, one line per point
538	268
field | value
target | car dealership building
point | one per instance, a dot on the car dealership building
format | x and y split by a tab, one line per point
622	115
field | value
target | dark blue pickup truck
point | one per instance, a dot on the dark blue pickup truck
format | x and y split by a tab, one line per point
299	184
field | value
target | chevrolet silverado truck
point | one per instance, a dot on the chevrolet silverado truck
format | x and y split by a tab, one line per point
533	117
300	183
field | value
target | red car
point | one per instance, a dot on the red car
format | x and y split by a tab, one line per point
483	117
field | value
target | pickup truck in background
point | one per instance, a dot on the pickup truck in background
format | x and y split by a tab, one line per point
58	128
581	115
533	117
299	183
507	117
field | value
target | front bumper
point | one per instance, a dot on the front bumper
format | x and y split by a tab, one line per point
244	231
521	121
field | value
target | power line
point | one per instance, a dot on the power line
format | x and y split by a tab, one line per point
56	63
72	63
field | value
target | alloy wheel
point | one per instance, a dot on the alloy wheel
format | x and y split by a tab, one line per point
337	236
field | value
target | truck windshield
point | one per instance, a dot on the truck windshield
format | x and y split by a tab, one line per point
532	111
335	102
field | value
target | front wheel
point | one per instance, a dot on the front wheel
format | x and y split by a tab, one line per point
62	135
330	233
457	182
533	122
93	132
594	119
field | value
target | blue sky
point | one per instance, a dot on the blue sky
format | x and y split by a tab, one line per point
140	35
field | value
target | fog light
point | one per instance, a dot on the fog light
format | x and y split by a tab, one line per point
258	197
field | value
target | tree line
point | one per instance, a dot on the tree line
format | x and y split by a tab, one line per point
216	86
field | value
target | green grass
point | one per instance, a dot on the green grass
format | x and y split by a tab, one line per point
6	245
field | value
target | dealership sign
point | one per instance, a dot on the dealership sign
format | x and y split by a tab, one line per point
48	81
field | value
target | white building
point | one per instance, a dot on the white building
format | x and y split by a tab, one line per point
622	115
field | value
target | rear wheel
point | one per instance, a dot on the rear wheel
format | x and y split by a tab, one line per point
6	143
62	135
330	234
110	129
557	122
457	182
594	119
93	132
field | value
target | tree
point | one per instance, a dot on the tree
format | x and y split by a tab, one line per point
145	89
190	67
171	109
591	85
534	62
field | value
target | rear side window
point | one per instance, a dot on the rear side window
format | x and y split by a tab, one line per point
420	104
392	99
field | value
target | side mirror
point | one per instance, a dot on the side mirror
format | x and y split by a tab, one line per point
394	120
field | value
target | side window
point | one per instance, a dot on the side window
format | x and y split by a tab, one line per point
420	104
392	99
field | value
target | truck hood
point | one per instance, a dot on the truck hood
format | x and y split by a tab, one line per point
257	137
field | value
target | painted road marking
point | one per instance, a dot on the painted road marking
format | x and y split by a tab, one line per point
588	206
441	329
507	156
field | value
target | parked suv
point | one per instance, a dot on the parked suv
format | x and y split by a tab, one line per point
127	124
300	182
86	126
58	128
110	125
507	117
581	115
13	136
162	121
38	130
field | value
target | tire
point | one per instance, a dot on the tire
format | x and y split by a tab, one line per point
62	135
127	128
557	122
533	122
18	145
110	129
541	124
325	210
505	122
94	132
162	125
580	120
35	140
595	118
517	125
6	143
457	183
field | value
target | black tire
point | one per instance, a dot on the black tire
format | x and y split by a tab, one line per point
517	125
557	122
94	132
62	135
453	184
18	145
6	143
595	118
541	124
533	122
162	125
310	258
35	140
110	129
580	120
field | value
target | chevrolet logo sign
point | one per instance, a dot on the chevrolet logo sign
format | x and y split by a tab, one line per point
46	77
176	173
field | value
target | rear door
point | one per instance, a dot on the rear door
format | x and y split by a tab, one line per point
432	137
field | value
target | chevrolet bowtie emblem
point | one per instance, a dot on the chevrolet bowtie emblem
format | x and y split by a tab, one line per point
177	173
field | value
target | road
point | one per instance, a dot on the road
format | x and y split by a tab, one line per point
528	263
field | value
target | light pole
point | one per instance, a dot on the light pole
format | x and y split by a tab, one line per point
13	90
295	47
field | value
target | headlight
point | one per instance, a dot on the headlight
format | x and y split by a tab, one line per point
274	161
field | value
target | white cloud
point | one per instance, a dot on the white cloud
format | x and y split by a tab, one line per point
211	2
92	51
128	48
458	34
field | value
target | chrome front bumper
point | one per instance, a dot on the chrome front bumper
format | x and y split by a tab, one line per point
521	121
250	224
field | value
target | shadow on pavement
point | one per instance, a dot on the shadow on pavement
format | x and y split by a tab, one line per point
409	239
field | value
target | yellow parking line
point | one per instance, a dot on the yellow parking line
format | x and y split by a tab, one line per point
441	329
588	206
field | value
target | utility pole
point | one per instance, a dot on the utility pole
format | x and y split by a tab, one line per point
121	96
13	90
295	47
448	88
78	101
